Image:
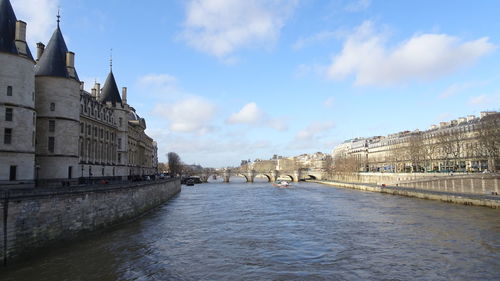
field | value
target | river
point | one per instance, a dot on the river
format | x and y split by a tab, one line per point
242	231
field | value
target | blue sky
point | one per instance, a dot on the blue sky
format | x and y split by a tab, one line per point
219	81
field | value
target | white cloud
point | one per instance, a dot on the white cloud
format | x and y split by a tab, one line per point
314	130
329	102
40	15
251	114
219	27
358	5
190	115
422	57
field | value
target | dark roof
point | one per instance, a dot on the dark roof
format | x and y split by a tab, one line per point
110	91
7	28
53	60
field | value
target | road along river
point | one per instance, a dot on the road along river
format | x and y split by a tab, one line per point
243	231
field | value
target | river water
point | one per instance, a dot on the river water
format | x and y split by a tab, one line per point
243	231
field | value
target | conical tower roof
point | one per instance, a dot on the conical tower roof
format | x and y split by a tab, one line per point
7	28
53	60
110	91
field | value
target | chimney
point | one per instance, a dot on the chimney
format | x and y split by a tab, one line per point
124	95
93	92
98	90
70	64
40	47
82	86
20	31
21	37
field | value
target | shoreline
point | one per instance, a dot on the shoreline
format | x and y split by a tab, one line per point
491	201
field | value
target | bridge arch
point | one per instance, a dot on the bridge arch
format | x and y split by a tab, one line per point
269	179
291	178
311	177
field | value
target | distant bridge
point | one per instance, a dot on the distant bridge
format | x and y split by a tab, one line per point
271	175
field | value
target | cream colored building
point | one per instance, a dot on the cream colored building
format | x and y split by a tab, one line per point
51	128
467	144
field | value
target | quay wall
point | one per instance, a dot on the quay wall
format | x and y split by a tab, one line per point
33	219
492	201
447	182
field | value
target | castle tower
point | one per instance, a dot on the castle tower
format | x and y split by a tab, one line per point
58	122
17	100
111	97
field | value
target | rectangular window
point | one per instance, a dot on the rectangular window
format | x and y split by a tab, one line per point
8	114
95	131
51	144
13	173
52	106
120	121
119	157
9	91
119	143
7	136
89	130
52	126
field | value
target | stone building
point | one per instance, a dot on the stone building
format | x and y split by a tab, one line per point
467	144
51	128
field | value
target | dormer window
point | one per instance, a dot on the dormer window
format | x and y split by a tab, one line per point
52	106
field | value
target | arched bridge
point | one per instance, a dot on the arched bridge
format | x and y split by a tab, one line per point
272	175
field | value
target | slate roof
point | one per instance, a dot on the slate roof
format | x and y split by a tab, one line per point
110	91
53	60
8	30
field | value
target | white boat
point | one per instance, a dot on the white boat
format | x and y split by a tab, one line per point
281	184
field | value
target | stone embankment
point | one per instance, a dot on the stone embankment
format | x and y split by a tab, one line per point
33	219
486	200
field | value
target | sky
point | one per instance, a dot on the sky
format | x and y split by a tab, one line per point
219	81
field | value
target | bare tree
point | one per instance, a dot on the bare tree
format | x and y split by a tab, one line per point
162	167
413	151
488	133
174	164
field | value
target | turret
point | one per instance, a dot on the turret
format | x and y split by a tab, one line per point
17	99
58	123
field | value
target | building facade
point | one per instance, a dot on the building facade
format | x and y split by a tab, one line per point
51	128
467	144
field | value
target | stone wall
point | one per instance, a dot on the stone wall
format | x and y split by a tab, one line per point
37	218
463	183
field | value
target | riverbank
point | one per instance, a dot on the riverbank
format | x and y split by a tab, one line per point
39	217
492	201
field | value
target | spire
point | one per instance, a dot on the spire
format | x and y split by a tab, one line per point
58	16
110	91
111	60
53	60
7	28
